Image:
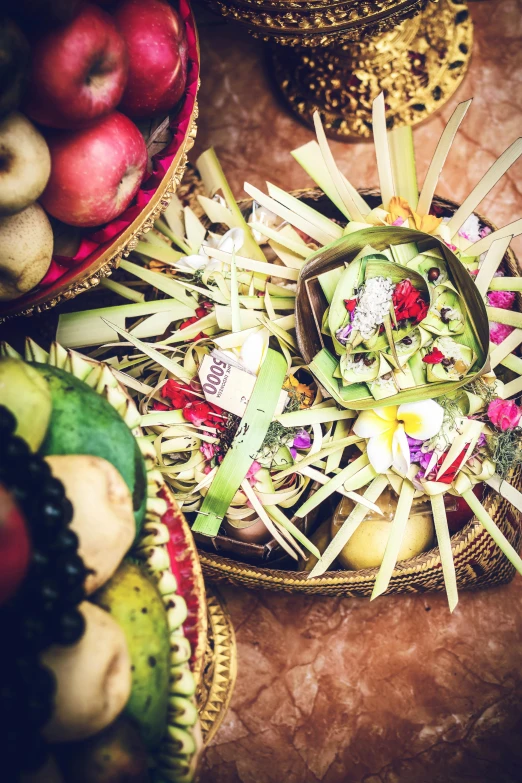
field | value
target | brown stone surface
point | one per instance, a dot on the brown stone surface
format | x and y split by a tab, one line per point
344	690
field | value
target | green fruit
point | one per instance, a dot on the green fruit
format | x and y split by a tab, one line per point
26	394
183	711
83	422
135	603
367	545
114	755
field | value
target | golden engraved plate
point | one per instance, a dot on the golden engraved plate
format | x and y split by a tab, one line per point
336	56
219	668
418	65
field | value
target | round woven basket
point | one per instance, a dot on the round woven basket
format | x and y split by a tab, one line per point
81	275
478	561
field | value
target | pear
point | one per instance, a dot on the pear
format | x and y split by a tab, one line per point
93	678
106	536
134	602
321	538
27	395
25	163
26	248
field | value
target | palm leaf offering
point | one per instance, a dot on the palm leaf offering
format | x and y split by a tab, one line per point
284	360
368	286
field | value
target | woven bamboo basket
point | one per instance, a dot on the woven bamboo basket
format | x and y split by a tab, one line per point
479	563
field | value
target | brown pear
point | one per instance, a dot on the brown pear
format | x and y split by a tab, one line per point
25	163
26	248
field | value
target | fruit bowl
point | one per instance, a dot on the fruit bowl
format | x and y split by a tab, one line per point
101	249
164	553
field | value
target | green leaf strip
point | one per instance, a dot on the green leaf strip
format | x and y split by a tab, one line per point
444	541
249	437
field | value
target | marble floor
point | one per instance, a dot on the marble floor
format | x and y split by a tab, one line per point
341	690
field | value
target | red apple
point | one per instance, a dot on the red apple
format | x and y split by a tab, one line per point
95	172
78	71
15	548
155	36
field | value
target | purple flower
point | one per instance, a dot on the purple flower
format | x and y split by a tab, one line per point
302	440
484	232
342	333
418	456
481	442
208	450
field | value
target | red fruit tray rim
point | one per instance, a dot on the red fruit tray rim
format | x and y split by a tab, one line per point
84	274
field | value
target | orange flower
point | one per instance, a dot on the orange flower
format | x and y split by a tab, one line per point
399	208
427	223
301	390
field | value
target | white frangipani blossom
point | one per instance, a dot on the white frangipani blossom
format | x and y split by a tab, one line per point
231	242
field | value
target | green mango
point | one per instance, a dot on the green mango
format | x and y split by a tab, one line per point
135	603
83	422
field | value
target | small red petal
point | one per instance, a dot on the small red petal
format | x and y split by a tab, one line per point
435	357
188	322
158	406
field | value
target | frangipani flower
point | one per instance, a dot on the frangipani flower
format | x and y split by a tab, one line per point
251	354
386	430
230	242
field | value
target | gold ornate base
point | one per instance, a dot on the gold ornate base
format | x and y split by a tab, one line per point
219	668
419	65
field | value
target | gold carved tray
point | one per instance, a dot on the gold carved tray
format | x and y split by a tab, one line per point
218	677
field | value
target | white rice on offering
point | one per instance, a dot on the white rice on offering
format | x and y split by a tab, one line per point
358	365
450	313
409	343
373	305
450	349
385	381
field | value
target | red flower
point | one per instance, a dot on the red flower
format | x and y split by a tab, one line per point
196	412
158	406
188	322
350	304
408	302
178	393
450	472
435	357
201	312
